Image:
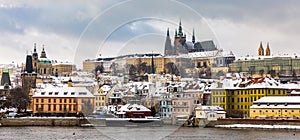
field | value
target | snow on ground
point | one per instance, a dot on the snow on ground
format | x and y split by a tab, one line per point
259	126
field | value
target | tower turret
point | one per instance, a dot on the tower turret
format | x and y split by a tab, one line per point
268	51
43	54
260	50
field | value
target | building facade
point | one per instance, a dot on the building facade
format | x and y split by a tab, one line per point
236	96
62	101
276	107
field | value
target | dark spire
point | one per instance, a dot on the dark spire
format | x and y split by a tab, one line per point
5	78
180	33
168	45
28	66
168	34
193	37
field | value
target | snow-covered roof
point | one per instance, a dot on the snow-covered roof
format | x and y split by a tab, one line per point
63	92
105	88
133	108
278	99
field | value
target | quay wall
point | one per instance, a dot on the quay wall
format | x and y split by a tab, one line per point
43	121
253	121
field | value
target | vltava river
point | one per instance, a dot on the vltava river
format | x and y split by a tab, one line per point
146	133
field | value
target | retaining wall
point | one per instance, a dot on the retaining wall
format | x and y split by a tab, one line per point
254	121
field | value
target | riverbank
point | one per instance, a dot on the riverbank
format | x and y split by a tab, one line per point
73	121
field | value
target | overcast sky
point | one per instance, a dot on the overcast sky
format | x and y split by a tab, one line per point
74	30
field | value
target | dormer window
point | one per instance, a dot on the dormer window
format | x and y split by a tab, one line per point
82	93
72	93
43	93
65	93
50	93
56	93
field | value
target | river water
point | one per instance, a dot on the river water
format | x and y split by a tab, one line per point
146	133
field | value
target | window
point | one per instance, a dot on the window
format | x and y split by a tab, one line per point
60	107
65	100
49	107
42	100
36	100
36	107
65	93
72	93
54	107
56	93
50	93
54	100
60	100
70	100
43	93
49	100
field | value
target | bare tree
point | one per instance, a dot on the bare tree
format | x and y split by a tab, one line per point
18	98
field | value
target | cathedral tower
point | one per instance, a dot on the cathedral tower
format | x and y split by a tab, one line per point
179	40
168	46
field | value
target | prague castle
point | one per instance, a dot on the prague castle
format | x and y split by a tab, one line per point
182	58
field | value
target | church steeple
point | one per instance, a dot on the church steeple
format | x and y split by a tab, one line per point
268	52
193	37
43	54
260	50
34	54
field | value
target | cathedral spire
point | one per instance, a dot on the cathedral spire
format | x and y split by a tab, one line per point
180	33
193	37
168	34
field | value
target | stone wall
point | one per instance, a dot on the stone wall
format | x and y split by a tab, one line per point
43	121
253	121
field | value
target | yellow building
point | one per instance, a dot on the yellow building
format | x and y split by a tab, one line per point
63	68
61	101
276	107
90	65
236	96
